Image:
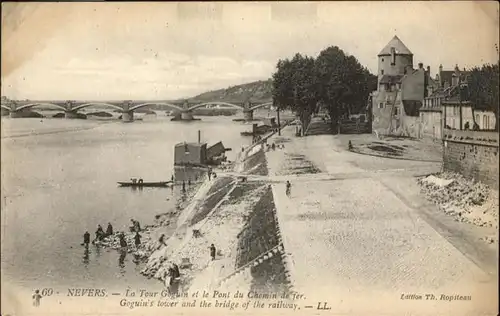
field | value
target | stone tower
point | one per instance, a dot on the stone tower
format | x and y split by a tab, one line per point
394	59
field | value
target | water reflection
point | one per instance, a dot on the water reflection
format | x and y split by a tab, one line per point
121	262
86	256
97	251
137	259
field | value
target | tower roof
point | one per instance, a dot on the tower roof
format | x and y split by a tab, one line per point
400	48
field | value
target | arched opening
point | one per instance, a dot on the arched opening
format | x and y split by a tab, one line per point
231	105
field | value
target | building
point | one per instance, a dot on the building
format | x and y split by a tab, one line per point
190	154
400	92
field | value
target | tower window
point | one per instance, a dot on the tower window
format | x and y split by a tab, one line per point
393	56
381	105
382	60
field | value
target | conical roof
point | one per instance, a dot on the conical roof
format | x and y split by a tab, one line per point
400	48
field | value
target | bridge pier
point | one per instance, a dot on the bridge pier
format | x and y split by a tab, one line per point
71	115
248	115
15	114
128	117
187	116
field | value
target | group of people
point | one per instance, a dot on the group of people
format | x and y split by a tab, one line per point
273	146
134	180
100	234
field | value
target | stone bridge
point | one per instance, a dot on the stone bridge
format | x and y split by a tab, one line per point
127	108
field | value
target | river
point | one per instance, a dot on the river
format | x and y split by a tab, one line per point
59	180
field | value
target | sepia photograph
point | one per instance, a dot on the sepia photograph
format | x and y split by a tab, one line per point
260	158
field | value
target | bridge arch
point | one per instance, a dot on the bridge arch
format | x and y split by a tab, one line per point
6	107
234	106
261	106
81	106
30	105
135	107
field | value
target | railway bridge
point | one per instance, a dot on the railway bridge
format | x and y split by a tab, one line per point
127	108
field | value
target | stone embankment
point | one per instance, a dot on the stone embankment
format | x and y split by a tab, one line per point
466	201
238	218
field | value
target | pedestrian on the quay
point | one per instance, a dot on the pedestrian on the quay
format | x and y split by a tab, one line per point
137	239
183	186
212	251
109	230
86	239
189	181
288	188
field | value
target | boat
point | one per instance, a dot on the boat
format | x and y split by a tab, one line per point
146	184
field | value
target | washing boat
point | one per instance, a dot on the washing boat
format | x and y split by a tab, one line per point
146	184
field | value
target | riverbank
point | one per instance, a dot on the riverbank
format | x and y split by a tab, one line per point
225	212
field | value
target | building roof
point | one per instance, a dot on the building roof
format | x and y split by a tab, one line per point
191	144
398	45
215	150
391	79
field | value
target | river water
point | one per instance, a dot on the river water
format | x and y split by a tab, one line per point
59	180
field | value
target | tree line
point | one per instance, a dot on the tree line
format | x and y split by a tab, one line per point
483	85
334	81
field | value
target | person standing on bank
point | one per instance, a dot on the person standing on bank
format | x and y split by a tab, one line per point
109	230
86	239
212	251
137	239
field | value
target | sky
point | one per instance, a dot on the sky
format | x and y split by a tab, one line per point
165	51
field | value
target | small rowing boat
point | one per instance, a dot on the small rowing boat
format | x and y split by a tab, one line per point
146	184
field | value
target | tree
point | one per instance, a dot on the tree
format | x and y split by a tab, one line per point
483	88
344	83
294	87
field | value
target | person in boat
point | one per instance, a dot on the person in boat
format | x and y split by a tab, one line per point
288	187
134	180
140	181
86	239
172	178
109	230
212	251
137	239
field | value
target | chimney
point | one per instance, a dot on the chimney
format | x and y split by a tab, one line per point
420	65
199	136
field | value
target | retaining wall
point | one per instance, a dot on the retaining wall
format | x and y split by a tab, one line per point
472	154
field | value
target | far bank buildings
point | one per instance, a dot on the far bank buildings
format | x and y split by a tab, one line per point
409	102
